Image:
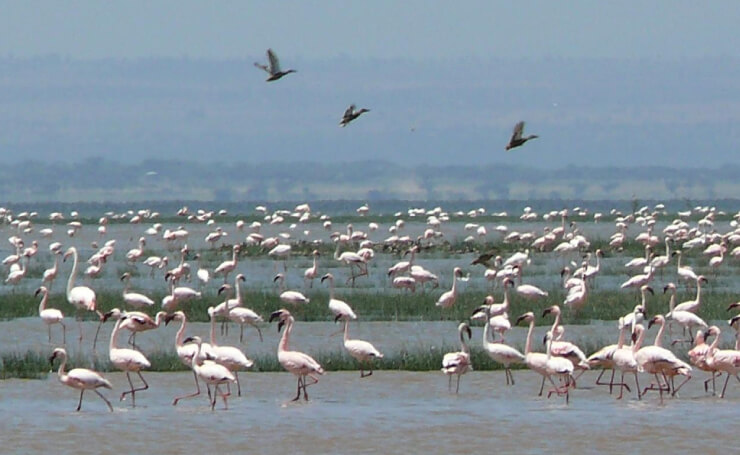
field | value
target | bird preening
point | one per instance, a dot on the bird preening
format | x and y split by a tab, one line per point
273	67
351	114
517	138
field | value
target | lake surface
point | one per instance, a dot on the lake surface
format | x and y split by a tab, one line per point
389	412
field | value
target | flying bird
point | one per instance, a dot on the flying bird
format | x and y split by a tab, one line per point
351	114
516	137
273	67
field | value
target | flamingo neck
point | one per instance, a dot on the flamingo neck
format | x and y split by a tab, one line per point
620	341
638	343
528	344
114	335
555	323
346	330
213	327
73	273
42	304
60	371
283	345
659	336
463	345
180	333
238	294
671	302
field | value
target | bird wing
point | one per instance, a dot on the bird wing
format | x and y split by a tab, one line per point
516	135
350	110
263	67
274	62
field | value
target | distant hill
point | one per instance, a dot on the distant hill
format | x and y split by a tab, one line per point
100	179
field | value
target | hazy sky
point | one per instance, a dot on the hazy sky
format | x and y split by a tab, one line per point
418	29
639	82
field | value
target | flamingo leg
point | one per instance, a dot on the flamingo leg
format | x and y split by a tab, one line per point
79	404
64	333
258	331
542	386
134	390
241	333
457	387
305	392
48	326
298	394
195	394
722	395
110	406
676	389
238	385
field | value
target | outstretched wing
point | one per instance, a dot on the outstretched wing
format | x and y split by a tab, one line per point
518	131
350	110
263	67
274	62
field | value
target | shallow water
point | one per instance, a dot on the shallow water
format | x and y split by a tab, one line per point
389	412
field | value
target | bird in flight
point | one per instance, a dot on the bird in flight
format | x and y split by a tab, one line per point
516	137
273	67
351	114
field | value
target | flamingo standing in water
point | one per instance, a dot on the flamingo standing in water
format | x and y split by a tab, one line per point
312	272
458	363
211	372
80	378
226	267
185	352
535	361
50	315
50	274
128	360
448	299
499	352
301	365
81	297
361	350
339	308
229	356
723	360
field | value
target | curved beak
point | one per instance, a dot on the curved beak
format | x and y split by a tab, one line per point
274	315
520	319
38	291
188	340
547	311
650	289
469	331
731	307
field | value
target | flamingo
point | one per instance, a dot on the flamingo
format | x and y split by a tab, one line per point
534	360
238	313
185	352
684	271
135	321
81	297
281	252
558	366
291	297
697	357
361	350
50	315
312	272
352	259
685	319
80	378
226	267
203	275
154	263
528	291
211	372
565	349
50	274
135	254
229	356
134	299
458	363
658	360
448	299
273	67
724	360
624	358
516	137
500	352
403	266
693	305
301	365
128	360
339	308
350	114
603	357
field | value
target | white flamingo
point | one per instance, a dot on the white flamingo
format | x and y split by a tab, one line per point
50	315
458	363
229	356
360	350
724	360
226	267
50	274
447	299
291	297
312	272
211	372
339	308
81	297
128	360
80	378
134	299
301	365
500	352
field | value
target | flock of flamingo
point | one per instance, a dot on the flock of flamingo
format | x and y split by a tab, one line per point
560	365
